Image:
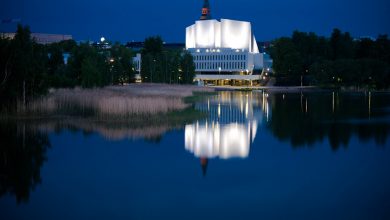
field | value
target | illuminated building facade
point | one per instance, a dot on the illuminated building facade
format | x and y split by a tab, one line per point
225	51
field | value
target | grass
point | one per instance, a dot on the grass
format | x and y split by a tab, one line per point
114	102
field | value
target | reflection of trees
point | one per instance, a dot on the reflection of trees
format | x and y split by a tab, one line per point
151	128
308	118
22	153
108	129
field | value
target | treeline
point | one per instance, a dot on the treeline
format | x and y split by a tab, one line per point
162	65
28	69
336	61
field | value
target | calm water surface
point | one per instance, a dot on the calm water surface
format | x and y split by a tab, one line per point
255	155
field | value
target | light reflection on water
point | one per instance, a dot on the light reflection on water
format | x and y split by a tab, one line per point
251	140
304	118
230	128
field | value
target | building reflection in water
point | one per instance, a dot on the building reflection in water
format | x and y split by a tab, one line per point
231	126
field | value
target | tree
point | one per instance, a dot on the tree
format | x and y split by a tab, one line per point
23	69
6	62
323	71
188	68
287	60
121	64
87	67
341	45
152	60
153	45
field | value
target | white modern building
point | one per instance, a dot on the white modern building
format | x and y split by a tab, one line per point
225	52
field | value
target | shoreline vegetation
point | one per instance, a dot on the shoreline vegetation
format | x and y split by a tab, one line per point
112	102
115	112
336	61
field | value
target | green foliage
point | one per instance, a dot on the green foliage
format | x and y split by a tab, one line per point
87	67
338	60
90	74
341	45
121	67
28	69
188	68
151	59
153	45
22	69
165	66
287	59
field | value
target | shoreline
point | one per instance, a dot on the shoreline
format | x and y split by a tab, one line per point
111	102
291	89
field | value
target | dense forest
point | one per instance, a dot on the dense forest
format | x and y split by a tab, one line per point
336	61
28	69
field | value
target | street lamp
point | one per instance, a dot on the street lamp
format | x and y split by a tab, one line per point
219	69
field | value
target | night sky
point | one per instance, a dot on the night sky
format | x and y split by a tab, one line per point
130	20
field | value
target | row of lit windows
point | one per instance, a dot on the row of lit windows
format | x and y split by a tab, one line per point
223	65
220	57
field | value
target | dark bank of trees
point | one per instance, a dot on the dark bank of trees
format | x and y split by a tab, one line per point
28	69
336	61
161	65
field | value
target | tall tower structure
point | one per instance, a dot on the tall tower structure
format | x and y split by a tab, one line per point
206	15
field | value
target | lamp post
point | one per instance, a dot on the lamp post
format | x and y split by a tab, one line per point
219	72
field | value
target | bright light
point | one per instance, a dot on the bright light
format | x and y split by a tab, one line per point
220	34
235	34
204	33
102	39
225	142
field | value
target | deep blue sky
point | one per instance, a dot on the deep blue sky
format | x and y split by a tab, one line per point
127	20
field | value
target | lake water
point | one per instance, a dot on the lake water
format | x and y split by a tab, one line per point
254	156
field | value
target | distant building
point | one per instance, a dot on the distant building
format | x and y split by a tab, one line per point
137	61
137	46
42	38
225	52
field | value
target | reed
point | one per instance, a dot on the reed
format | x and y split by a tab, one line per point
113	101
